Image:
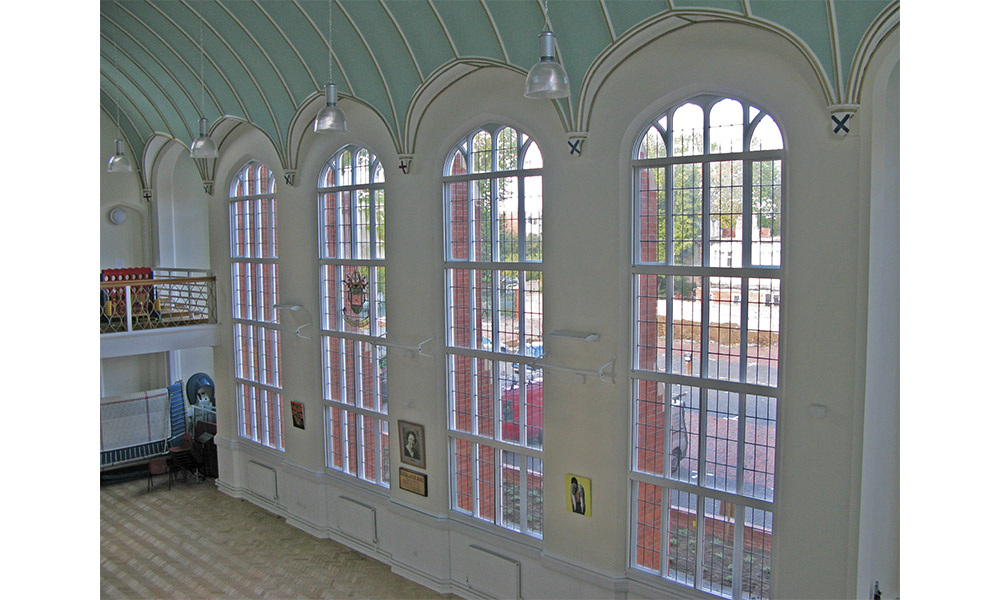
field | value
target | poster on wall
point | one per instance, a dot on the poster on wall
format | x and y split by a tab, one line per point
298	415
578	497
412	481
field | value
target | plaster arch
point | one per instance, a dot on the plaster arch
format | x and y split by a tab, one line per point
448	115
438	83
300	128
366	127
878	420
243	141
179	207
820	264
618	54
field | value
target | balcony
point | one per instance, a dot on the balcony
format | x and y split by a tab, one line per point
145	310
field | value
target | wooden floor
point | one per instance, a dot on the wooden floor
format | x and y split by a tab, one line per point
193	541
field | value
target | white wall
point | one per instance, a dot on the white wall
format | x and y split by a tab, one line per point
586	267
171	230
126	244
878	535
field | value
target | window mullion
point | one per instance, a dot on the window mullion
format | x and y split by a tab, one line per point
747	213
739	514
522	461
700	543
498	495
522	401
522	235
741	440
664	530
706	329
744	326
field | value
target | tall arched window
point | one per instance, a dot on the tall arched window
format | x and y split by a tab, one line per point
257	339
493	253
351	200
707	200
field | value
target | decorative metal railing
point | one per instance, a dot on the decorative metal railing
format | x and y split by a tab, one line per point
143	299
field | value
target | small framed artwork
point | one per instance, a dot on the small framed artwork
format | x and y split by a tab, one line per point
412	481
411	444
298	415
578	494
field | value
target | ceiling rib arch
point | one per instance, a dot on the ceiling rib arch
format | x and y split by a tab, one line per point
260	48
247	70
154	34
374	59
262	59
406	43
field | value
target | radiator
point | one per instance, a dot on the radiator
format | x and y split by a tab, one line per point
262	481
494	575
357	520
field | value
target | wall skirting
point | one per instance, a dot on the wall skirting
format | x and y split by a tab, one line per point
432	550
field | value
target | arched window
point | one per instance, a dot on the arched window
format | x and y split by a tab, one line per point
493	253
707	200
257	339
351	199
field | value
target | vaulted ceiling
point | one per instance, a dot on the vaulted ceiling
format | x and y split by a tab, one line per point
264	60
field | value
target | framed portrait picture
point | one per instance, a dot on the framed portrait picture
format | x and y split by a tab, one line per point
411	444
578	494
298	415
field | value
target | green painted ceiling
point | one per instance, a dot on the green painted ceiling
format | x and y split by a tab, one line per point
263	59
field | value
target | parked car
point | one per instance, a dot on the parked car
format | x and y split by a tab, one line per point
510	413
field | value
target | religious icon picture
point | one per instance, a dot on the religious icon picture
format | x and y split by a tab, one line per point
411	444
578	494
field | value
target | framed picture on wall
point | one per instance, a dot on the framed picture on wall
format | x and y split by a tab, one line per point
411	444
578	494
298	415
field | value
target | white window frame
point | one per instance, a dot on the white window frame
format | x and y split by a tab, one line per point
332	330
267	321
738	502
523	454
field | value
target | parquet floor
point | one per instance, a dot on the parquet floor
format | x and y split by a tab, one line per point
193	541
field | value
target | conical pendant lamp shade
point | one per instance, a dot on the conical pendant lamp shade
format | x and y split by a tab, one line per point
119	163
330	118
203	147
547	79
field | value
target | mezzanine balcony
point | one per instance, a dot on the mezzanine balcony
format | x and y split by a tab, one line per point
146	310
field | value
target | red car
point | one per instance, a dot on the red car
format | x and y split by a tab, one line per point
510	415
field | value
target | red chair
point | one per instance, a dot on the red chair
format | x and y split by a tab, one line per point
182	456
159	465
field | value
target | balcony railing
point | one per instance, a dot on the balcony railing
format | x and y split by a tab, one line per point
156	299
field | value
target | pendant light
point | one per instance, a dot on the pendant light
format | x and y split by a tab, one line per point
330	118
203	146
547	79
119	163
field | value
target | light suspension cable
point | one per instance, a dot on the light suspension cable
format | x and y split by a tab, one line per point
203	146
119	163
547	79
330	118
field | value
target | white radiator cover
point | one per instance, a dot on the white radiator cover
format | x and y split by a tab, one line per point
358	520
262	481
493	575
